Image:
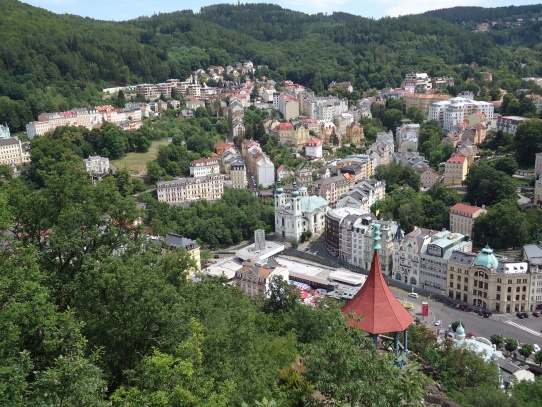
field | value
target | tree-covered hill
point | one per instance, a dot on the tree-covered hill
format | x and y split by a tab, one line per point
481	14
53	62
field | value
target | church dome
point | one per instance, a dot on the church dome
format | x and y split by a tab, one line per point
460	331
303	189
295	193
486	259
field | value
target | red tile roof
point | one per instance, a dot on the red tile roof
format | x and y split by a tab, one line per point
456	160
471	210
378	308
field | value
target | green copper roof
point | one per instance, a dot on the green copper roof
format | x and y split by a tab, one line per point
486	259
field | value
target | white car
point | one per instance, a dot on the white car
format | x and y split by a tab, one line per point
413	295
438	323
536	348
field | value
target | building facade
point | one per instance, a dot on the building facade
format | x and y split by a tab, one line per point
462	218
14	152
4	131
186	190
455	170
204	166
313	148
485	282
298	213
456	110
238	175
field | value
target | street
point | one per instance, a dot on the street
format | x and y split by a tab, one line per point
522	330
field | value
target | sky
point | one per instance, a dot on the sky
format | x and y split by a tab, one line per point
119	10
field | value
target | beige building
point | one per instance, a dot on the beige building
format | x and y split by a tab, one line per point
331	189
191	246
204	166
429	177
238	175
354	133
462	218
185	190
422	101
455	170
13	151
254	278
485	282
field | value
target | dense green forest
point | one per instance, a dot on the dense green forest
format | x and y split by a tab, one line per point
52	62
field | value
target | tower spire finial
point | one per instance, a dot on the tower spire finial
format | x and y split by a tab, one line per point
376	236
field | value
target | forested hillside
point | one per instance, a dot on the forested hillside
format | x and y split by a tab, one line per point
481	14
51	62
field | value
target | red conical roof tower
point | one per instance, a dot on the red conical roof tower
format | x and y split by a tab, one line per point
378	308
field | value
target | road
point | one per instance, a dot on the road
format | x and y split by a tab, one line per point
524	331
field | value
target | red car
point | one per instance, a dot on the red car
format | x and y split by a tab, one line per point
463	307
536	314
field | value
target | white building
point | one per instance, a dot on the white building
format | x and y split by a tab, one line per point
434	258
97	166
185	190
14	152
204	166
407	253
349	234
407	136
313	148
298	213
538	182
456	110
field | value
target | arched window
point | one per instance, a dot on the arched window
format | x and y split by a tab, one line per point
412	281
398	276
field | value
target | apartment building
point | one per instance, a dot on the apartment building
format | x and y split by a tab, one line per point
456	110
462	218
509	124
538	182
483	281
422	101
288	106
455	170
238	175
14	152
331	189
204	166
406	137
434	256
186	190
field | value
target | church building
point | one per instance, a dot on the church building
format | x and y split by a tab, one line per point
298	213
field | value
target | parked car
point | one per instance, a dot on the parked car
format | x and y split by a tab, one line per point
525	315
413	295
487	314
519	315
536	314
438	323
463	307
536	348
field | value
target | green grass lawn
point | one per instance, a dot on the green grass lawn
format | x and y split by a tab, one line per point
137	162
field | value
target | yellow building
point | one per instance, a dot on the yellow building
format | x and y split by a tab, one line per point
422	101
455	170
191	246
354	133
483	281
